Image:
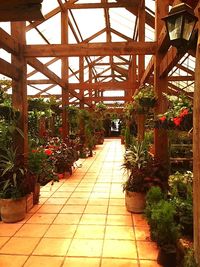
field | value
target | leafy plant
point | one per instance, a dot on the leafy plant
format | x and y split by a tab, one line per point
164	229
189	259
145	96
13	175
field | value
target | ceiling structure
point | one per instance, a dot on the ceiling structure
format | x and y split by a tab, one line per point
102	44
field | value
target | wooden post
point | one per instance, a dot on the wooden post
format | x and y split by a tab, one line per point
196	153
64	74
81	79
160	86
141	36
19	89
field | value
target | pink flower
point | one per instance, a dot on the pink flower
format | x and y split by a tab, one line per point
177	121
48	152
163	118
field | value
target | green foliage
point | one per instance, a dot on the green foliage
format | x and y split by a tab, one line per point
13	175
145	96
164	229
180	191
74	119
100	107
135	162
189	259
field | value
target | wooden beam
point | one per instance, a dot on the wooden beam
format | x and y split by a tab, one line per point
91	49
8	43
9	70
181	78
35	63
46	64
98	85
41	81
98	5
169	61
21	10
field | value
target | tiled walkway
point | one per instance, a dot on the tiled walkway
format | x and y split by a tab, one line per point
81	222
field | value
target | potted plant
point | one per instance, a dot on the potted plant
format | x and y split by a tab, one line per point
166	232
135	161
13	186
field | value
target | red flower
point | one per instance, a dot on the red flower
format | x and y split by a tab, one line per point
48	152
34	150
60	129
177	121
163	118
184	112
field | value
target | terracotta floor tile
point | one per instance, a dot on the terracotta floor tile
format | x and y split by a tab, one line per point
44	261
61	194
98	195
7	229
142	233
3	240
118	210
32	230
85	247
73	209
139	220
46	194
42	218
52	247
98	202
119	220
77	201
83	189
96	209
35	208
12	260
90	231
97	219
120	249
57	200
119	263
18	245
42	200
116	201
146	263
119	232
50	208
61	231
80	194
67	219
81	262
147	250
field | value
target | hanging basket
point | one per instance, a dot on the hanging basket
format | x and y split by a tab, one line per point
147	102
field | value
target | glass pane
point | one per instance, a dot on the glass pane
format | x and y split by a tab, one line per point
188	27
174	28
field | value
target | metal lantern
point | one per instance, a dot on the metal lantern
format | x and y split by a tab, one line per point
180	24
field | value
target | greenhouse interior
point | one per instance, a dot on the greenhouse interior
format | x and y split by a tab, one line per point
99	133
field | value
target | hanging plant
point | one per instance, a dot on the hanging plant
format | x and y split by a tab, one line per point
179	114
145	97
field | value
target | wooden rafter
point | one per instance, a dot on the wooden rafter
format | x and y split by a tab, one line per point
91	49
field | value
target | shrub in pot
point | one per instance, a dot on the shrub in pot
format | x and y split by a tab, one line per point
165	231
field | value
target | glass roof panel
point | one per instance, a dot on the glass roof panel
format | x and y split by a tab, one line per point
122	20
85	20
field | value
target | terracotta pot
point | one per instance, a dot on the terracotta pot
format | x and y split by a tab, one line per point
36	193
13	210
135	201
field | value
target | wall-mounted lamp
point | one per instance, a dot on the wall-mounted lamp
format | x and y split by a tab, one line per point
180	25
